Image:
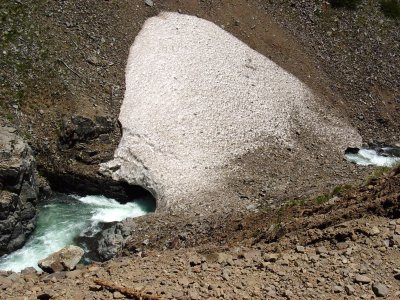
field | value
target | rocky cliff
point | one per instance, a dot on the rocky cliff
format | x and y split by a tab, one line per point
18	191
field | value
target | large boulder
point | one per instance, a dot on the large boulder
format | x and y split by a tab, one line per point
197	99
65	259
19	191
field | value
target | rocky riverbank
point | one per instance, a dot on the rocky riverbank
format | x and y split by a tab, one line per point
346	248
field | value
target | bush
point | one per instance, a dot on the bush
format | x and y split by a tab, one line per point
350	4
391	8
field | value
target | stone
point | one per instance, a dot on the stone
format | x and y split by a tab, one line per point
379	289
349	290
19	191
270	257
374	231
183	281
63	260
362	279
321	250
118	295
225	96
149	3
337	289
300	249
225	259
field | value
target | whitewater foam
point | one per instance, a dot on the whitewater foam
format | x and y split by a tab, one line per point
60	222
370	157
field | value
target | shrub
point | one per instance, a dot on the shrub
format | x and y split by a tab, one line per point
391	8
322	199
350	4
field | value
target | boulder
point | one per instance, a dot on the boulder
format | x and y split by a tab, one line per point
63	260
198	100
82	129
19	190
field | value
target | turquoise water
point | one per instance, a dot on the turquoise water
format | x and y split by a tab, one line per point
65	218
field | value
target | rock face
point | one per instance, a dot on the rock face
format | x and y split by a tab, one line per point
197	98
64	260
18	191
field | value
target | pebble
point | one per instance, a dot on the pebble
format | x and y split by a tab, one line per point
337	289
362	279
149	3
349	290
380	290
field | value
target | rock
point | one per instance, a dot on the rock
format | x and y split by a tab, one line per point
374	231
300	249
109	243
19	191
183	281
149	3
118	295
82	129
225	259
201	149
349	290
379	289
270	257
362	279
64	260
29	270
93	60
321	250
337	289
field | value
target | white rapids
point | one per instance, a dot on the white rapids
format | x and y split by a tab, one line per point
370	157
62	220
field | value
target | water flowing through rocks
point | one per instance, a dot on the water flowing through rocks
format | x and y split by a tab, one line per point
70	219
380	157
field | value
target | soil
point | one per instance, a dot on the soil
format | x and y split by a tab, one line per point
62	59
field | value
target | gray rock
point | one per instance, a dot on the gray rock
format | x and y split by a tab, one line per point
362	279
110	243
64	260
337	289
19	191
380	290
349	290
149	3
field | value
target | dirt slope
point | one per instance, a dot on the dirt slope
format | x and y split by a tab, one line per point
347	248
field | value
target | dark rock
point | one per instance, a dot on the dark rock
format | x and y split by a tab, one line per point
64	260
110	243
81	129
380	290
19	191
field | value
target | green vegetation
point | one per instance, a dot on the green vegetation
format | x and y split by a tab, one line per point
341	189
322	199
378	172
349	4
295	202
391	8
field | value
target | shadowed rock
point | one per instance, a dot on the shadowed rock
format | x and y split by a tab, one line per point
18	191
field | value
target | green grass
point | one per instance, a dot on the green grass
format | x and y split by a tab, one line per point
322	199
341	189
295	202
391	8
